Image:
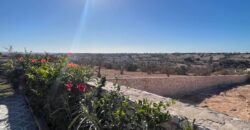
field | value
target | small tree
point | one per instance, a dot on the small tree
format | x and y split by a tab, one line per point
151	68
122	70
99	71
167	71
99	61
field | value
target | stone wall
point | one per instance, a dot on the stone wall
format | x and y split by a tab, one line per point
205	118
178	86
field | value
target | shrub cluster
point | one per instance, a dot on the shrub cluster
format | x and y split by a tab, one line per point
59	92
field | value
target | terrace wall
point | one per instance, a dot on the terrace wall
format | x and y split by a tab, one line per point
178	86
205	118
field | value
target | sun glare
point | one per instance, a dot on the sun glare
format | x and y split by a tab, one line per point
81	27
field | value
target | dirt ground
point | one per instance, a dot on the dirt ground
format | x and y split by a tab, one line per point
234	102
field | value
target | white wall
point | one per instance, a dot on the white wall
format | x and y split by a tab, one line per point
177	86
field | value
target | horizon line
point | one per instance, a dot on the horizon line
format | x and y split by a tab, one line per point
226	52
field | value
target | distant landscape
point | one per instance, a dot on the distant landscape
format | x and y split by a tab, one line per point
197	64
163	64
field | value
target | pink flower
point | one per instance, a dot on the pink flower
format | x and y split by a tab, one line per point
69	53
82	87
69	86
43	61
33	60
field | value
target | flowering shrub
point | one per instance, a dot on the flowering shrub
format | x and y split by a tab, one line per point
59	92
76	74
112	111
41	76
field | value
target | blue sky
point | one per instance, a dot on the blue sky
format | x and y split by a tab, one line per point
125	25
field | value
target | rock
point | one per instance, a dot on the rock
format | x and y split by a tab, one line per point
233	109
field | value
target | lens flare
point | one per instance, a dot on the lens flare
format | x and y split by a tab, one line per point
81	28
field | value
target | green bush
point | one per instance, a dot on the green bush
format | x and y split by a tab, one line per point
108	66
112	111
182	70
41	76
131	67
12	69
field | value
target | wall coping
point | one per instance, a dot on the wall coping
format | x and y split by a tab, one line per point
176	76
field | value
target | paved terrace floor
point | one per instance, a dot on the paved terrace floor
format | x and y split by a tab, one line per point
14	112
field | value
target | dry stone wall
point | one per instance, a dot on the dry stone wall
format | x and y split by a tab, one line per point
178	86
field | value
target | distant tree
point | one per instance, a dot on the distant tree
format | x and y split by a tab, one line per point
108	66
226	63
189	60
143	67
210	60
202	71
198	59
99	71
165	69
122	70
182	70
131	67
151	68
99	62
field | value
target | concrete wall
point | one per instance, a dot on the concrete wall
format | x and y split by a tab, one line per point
178	86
